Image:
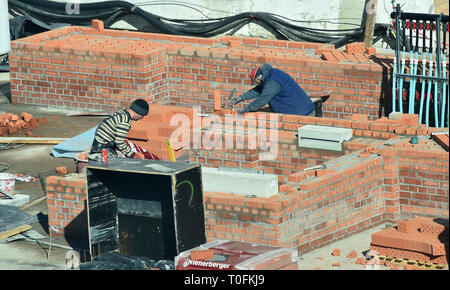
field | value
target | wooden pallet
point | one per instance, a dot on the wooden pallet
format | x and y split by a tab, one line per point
418	264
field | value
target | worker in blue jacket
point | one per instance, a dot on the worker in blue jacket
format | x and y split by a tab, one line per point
279	90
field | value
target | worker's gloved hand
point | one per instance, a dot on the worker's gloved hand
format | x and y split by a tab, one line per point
242	111
236	100
139	156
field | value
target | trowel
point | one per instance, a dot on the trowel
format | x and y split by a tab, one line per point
231	98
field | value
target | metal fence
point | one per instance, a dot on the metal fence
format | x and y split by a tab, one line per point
420	81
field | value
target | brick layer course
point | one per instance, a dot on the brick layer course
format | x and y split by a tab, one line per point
370	182
314	208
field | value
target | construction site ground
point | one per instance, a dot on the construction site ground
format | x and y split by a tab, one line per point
32	160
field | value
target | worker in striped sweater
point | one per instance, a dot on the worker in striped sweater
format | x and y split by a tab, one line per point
112	132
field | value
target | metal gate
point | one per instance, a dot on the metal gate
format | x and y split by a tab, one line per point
420	81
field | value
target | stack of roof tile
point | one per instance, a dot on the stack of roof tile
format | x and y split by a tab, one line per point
233	255
154	129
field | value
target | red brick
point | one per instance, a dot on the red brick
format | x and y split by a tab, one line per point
404	226
308	120
217	100
202	254
371	50
322	172
411	119
351	255
378	126
443	140
97	24
364	154
52	180
356	47
329	56
336	252
61	170
360	117
80	183
361	261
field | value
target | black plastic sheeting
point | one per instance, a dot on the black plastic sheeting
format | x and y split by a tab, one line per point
112	11
12	217
23	26
116	261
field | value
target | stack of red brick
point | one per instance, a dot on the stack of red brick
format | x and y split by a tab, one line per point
154	129
421	239
66	196
354	52
12	123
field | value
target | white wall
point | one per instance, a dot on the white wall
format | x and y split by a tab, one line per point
4	28
331	12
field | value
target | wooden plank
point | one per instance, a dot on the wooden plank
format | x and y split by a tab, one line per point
32	140
319	94
15	231
33	202
171	154
370	20
360	57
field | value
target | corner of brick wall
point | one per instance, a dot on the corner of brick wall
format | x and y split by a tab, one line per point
66	197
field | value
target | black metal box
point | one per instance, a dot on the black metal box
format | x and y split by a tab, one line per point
144	208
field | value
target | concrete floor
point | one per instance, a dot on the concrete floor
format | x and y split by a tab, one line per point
36	159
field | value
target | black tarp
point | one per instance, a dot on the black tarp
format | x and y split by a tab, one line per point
12	217
116	261
23	26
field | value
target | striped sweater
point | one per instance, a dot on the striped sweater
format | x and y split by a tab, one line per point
114	130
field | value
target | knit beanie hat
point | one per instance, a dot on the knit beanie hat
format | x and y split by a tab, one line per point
253	74
140	106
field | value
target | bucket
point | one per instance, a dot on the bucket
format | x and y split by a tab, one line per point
81	160
7	183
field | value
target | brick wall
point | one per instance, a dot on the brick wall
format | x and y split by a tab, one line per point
423	179
86	68
356	88
361	187
380	176
337	202
313	208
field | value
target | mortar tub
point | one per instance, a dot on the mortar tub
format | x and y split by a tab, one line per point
81	160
